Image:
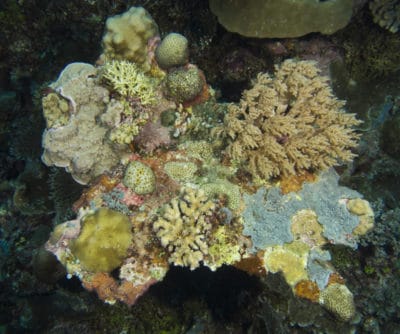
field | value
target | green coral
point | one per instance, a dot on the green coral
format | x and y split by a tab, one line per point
103	242
223	250
338	299
184	84
128	80
173	51
124	133
140	178
226	188
200	149
181	170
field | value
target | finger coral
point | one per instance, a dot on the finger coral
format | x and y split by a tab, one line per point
183	226
289	123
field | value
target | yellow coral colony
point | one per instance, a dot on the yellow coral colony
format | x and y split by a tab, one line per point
128	80
289	123
104	240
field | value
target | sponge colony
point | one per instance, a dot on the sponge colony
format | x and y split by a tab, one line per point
103	242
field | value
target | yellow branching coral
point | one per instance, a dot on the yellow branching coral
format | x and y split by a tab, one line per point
183	227
289	123
128	80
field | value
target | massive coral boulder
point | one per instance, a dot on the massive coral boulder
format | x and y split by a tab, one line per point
282	18
127	35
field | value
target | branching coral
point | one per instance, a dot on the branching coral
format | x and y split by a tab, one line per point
128	80
183	226
289	123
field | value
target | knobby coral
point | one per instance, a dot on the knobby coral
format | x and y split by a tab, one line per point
183	227
289	123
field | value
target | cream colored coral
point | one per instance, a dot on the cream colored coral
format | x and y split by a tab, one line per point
289	123
127	35
290	259
128	80
181	170
338	299
363	210
183	226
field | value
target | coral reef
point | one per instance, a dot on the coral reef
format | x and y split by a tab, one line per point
282	18
289	123
173	51
153	135
161	191
386	13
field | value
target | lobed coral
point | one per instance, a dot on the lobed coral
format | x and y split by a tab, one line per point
127	35
183	226
79	145
55	110
103	241
289	123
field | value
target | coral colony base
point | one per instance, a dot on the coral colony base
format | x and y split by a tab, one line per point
263	188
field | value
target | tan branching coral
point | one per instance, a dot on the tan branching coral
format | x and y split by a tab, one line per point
183	227
289	123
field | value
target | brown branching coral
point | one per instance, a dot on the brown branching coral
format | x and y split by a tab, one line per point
289	123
